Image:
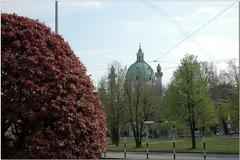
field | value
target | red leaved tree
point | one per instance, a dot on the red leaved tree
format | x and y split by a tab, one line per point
49	106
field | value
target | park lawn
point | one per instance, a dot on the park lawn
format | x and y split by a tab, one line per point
213	145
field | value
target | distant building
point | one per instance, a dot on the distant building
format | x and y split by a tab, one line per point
140	71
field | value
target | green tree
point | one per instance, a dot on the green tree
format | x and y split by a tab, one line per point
234	112
187	99
111	91
142	101
228	98
224	91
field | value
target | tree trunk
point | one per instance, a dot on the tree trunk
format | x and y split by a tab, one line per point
193	136
225	127
137	137
192	130
193	139
138	141
138	144
115	136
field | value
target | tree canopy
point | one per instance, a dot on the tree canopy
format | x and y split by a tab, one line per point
111	91
187	99
49	106
224	88
142	104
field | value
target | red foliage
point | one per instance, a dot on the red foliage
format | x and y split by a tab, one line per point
49	107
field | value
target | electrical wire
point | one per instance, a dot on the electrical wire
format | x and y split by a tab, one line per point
197	30
177	25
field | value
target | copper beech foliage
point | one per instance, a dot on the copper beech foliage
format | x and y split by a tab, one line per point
49	106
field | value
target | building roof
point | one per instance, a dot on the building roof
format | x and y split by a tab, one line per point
140	70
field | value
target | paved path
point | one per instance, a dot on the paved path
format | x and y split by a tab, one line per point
169	156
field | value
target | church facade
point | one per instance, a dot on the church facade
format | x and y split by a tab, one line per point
140	71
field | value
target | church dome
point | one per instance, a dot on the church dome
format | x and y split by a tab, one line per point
140	70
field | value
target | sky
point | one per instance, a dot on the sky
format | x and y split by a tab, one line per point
100	32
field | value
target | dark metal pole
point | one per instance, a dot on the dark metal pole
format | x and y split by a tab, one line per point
174	143
202	134
204	148
125	147
147	142
56	17
239	49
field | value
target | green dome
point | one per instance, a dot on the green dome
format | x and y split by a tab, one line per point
140	70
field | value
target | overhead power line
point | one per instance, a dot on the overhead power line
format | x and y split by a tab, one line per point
223	60
177	25
196	31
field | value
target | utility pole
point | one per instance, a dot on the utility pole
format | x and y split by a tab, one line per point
239	47
56	17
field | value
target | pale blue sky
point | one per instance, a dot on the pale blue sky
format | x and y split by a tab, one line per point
102	31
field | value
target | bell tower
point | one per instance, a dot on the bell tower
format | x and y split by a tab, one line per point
158	82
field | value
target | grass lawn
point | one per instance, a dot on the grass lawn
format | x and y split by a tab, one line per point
213	145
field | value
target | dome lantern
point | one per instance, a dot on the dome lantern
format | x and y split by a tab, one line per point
140	54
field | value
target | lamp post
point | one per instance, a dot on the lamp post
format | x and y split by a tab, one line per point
147	134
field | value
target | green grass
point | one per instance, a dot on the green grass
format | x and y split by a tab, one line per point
213	145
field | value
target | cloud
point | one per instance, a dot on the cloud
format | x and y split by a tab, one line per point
209	48
97	52
209	11
220	47
30	9
183	18
136	26
92	4
45	9
72	7
150	27
215	48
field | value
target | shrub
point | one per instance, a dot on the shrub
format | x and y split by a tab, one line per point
49	106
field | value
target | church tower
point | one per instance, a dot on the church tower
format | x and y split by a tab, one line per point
158	81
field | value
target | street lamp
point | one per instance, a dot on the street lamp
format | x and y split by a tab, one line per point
148	123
